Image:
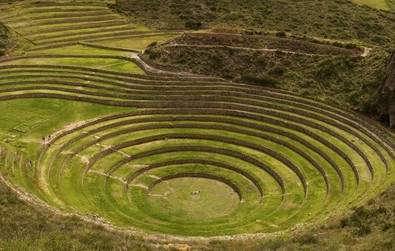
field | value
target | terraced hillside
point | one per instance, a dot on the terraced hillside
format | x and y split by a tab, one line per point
52	24
92	129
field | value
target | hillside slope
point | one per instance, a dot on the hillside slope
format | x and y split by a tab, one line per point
6	43
337	19
337	75
357	83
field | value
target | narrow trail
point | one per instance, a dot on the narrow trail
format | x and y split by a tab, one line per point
363	54
366	52
152	69
241	48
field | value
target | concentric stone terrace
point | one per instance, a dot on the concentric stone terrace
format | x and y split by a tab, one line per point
188	155
201	156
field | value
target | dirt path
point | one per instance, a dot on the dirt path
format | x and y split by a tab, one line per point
106	175
366	51
151	69
242	48
364	54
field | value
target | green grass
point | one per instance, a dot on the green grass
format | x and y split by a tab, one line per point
59	34
98	63
177	198
135	43
379	4
67	191
59	113
44	230
35	25
79	50
391	4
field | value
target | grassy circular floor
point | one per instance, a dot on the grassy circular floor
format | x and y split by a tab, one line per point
193	199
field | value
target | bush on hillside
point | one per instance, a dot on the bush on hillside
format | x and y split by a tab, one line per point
193	24
262	80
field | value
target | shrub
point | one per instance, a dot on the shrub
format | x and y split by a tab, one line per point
363	230
274	244
344	223
307	239
351	46
281	34
153	52
263	80
328	68
387	226
193	24
388	245
277	71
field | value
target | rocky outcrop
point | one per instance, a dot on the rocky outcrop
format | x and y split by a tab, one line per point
390	81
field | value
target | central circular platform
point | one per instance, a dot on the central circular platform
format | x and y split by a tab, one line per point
192	199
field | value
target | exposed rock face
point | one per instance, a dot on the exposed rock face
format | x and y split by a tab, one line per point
391	112
390	83
6	41
3	38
